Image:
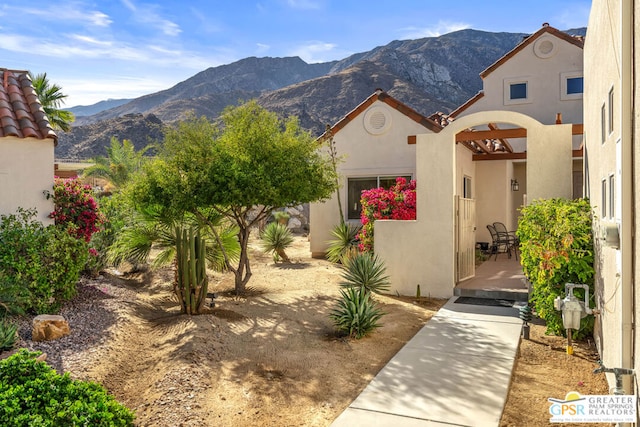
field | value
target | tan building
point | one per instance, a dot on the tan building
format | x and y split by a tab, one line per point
26	147
612	156
516	141
372	143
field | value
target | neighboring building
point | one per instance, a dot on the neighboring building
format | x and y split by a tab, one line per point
372	144
542	77
27	143
525	127
612	161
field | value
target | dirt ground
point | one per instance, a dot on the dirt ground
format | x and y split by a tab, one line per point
272	358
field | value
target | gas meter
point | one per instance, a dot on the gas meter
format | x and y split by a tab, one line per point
573	310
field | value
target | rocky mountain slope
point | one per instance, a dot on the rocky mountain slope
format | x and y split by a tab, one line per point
430	74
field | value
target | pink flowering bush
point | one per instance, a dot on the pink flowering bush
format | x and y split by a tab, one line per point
398	202
75	208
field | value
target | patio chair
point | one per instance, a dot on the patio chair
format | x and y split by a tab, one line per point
502	231
500	243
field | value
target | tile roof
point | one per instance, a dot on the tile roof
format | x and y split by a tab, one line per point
380	95
21	114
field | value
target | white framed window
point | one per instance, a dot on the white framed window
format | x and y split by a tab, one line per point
571	85
355	186
603	210
466	187
517	90
603	123
611	111
612	196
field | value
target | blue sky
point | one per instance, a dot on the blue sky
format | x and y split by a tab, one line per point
127	48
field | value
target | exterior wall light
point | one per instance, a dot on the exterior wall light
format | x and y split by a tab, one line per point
515	186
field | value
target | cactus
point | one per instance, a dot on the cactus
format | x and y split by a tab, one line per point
191	272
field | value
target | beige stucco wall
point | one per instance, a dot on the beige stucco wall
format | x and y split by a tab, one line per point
423	251
26	171
544	76
364	155
602	55
636	145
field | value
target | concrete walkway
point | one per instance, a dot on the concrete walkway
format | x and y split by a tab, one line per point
454	372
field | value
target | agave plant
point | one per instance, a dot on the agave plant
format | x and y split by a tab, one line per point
367	272
8	335
345	244
275	239
356	315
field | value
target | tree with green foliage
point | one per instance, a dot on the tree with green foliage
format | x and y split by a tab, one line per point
244	167
121	162
51	98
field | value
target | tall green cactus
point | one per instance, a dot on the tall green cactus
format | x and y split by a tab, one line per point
191	275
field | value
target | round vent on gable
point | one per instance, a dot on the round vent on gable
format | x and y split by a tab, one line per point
545	47
377	120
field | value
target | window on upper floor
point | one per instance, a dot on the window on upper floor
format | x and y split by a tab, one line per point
612	197
572	85
611	111
517	90
603	210
603	124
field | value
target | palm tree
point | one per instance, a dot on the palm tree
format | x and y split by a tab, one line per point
121	162
51	98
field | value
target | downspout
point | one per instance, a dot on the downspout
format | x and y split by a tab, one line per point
627	215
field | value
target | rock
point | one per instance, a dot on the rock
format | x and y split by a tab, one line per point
48	327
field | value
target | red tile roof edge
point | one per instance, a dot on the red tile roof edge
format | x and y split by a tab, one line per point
22	115
546	28
380	95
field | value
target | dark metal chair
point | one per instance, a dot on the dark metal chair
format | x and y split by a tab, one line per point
500	243
502	231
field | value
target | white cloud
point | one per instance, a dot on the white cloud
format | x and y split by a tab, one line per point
304	4
148	14
316	52
442	27
90	40
69	12
262	48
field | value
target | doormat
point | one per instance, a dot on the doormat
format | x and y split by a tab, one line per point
485	301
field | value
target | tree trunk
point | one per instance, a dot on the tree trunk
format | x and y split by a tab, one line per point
243	272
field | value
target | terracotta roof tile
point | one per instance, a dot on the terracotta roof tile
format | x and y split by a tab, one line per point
21	114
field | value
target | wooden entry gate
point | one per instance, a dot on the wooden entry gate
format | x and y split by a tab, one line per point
465	238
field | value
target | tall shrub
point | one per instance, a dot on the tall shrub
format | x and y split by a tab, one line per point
556	244
39	266
398	202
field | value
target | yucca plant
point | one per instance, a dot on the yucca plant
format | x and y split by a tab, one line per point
345	244
356	315
275	239
367	272
8	335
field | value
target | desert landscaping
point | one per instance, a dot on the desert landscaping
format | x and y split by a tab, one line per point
271	357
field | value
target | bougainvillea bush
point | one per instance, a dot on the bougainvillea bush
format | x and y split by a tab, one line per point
75	208
398	202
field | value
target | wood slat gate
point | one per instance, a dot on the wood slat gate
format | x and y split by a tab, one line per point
466	238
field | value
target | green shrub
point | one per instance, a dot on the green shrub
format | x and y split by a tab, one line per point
33	394
356	315
345	244
8	335
556	244
44	261
275	239
365	271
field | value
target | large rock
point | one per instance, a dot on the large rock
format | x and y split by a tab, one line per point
48	327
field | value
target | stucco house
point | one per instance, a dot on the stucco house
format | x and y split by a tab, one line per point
612	161
373	142
27	144
525	127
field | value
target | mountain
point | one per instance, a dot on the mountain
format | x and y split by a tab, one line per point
89	110
429	74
